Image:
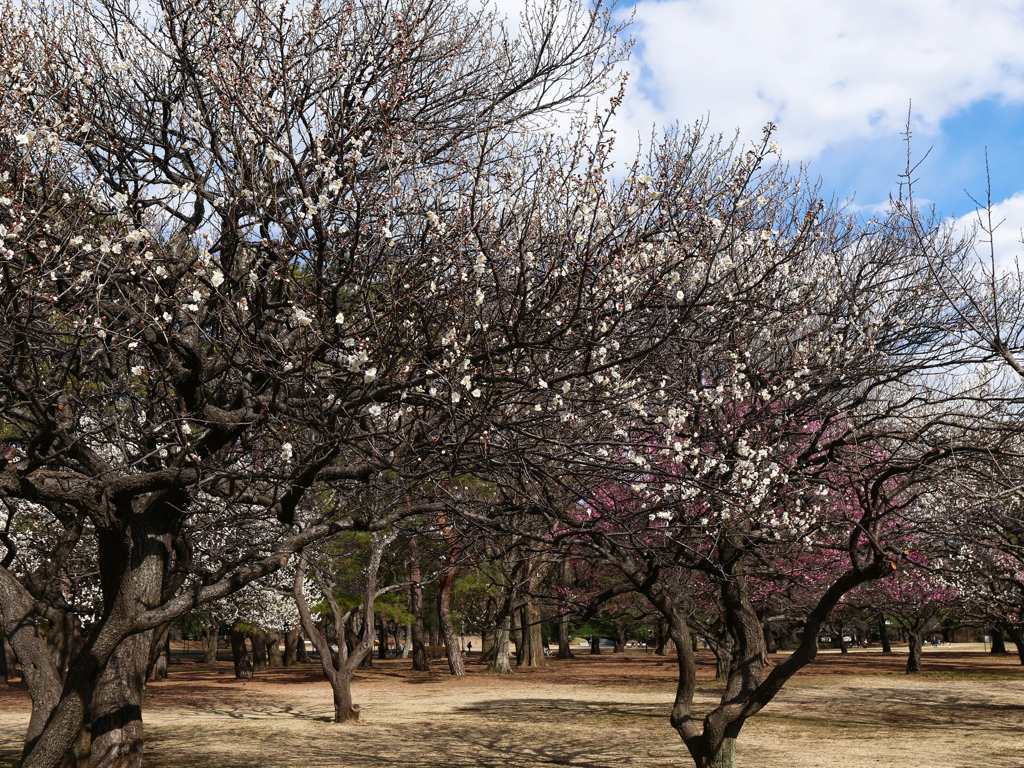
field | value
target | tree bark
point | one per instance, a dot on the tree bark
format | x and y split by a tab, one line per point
116	708
273	642
515	634
38	670
660	638
595	646
259	651
723	757
723	662
159	654
291	646
564	641
64	638
533	642
419	649
7	659
241	655
301	654
407	640
499	663
211	636
840	643
620	638
444	619
915	640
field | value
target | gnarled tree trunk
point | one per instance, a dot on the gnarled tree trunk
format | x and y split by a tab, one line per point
998	643
210	639
259	650
620	638
159	653
241	655
273	642
291	646
915	639
116	707
1017	636
499	662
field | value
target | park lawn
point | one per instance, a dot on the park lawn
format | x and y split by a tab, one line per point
852	711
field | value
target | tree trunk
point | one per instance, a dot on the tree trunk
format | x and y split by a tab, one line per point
291	646
914	658
723	659
259	651
595	646
273	642
116	708
840	643
64	639
487	633
160	654
1017	636
7	660
660	638
382	639
499	663
725	757
770	646
883	633
407	640
210	639
301	654
998	643
419	649
444	619
344	710
620	638
355	632
241	655
564	641
533	642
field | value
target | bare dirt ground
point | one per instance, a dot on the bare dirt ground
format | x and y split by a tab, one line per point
853	711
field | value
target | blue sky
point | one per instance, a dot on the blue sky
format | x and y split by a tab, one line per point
838	76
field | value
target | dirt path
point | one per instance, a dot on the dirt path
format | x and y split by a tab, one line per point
844	712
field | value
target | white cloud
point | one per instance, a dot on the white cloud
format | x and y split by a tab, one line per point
1008	220
826	71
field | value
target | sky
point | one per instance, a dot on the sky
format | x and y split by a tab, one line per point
838	77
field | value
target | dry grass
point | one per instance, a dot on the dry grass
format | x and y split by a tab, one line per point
853	711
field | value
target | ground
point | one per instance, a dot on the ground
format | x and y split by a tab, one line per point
852	711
